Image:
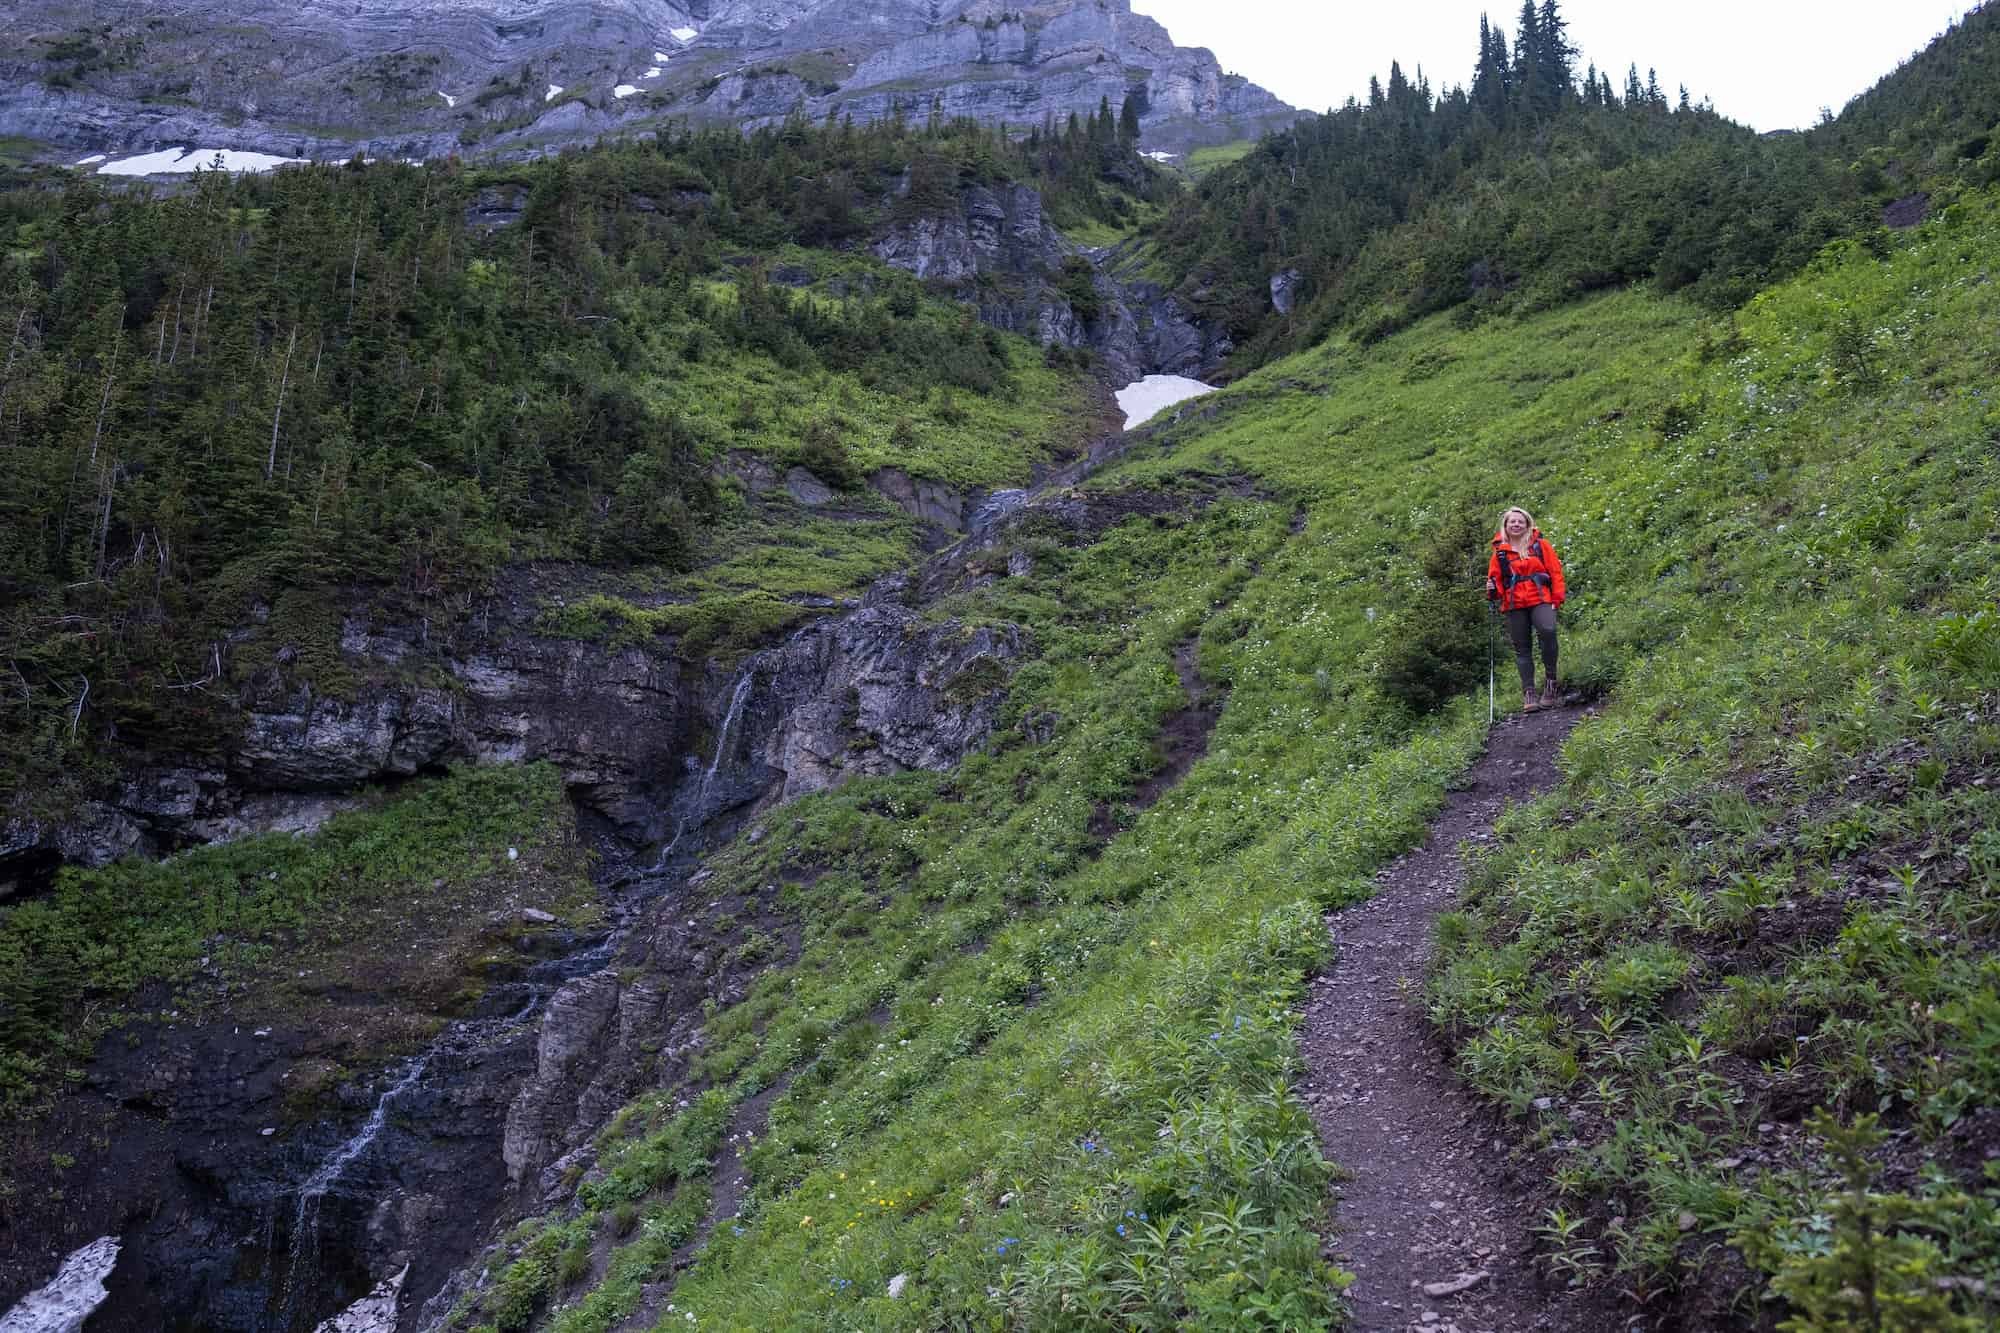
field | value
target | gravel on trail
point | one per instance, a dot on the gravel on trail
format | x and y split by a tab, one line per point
1432	1215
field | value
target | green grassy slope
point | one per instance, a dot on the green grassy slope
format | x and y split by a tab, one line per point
1036	1054
1771	883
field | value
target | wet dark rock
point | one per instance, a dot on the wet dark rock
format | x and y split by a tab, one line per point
496	206
1906	212
753	471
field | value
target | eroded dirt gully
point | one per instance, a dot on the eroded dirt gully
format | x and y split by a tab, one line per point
1430	1200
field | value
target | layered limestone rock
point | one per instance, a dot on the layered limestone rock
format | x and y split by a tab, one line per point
869	691
416	78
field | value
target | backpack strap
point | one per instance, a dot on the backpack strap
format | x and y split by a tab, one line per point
1508	578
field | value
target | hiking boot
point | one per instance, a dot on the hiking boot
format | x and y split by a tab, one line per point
1531	702
1551	695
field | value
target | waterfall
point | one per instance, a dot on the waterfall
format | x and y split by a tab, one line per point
305	1217
736	699
461	1036
466	1034
693	812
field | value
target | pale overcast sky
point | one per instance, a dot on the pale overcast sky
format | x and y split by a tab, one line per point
1771	64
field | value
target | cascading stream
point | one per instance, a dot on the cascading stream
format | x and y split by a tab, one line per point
695	811
461	1037
305	1217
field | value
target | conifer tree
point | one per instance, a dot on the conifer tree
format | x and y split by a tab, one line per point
1554	56
1528	58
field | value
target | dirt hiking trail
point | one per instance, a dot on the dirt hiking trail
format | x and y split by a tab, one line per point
1432	1201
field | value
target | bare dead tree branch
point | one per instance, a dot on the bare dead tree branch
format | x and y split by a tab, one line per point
278	409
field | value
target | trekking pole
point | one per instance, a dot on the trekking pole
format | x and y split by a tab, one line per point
1493	615
1492	620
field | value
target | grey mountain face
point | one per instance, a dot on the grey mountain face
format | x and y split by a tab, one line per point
426	77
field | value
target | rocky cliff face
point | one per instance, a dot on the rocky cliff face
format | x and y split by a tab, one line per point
1000	252
869	691
426	77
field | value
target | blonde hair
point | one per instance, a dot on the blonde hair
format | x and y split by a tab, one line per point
1516	509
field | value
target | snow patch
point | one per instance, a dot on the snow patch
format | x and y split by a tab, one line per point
661	57
177	160
684	35
449	100
373	1313
624	90
1159	156
72	1294
651	73
555	91
87	161
1142	399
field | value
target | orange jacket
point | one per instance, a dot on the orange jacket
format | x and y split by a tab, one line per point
1536	577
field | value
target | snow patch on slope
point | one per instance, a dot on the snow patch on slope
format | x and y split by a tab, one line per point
178	160
1142	399
71	1295
373	1313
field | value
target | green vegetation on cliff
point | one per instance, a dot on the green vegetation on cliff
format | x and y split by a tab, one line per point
272	391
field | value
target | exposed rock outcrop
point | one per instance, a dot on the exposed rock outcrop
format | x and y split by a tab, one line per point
869	691
999	251
1285	290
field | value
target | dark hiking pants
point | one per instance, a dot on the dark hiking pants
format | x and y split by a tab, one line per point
1542	620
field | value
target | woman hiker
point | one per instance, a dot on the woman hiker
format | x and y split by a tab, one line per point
1526	579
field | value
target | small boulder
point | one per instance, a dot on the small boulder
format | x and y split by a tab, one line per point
807	489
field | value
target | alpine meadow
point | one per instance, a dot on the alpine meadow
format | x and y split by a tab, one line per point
604	731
